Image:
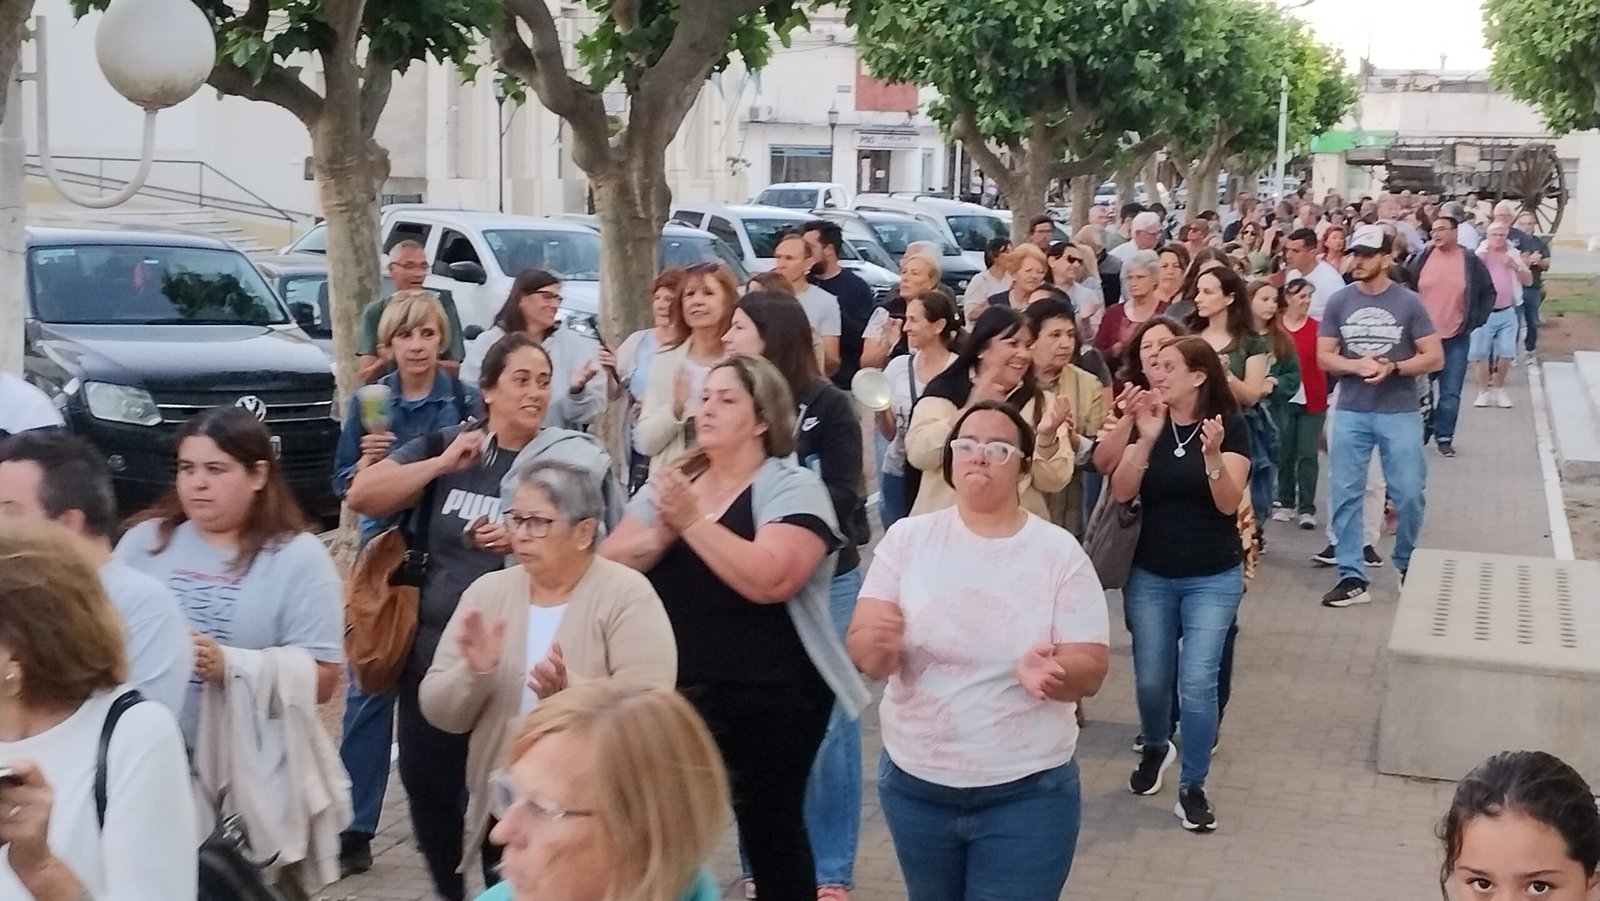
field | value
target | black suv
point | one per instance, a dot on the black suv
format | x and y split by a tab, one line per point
132	332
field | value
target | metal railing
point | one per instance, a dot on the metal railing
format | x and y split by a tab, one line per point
243	201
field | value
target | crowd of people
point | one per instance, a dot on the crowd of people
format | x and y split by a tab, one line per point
705	589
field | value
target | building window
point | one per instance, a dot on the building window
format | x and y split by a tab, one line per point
801	164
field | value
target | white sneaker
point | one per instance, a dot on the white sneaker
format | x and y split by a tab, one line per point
1502	399
1281	514
1482	400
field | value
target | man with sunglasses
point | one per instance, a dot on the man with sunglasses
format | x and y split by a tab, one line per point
407	269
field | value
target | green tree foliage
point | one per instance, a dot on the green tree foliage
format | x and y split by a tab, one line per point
1547	53
1059	85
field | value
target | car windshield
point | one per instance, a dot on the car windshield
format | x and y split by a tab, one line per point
310	289
313	241
764	234
135	285
686	250
896	234
974	232
788	198
568	255
872	252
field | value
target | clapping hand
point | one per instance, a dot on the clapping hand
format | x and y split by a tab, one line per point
1056	415
680	393
480	642
549	675
25	802
463	452
587	371
1040	673
676	504
1150	416
1211	437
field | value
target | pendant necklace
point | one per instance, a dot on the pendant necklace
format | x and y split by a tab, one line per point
1179	451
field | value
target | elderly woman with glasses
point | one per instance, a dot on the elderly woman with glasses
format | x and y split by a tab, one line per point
990	625
524	633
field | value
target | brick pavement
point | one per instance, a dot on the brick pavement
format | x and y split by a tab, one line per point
1303	813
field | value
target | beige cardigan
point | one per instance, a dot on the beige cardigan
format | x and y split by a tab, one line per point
929	432
658	434
614	625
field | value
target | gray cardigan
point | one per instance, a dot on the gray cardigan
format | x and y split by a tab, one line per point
782	488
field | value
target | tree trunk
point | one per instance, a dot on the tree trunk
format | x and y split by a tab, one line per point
1025	185
13	25
1082	199
632	203
1152	178
350	169
1124	179
1203	186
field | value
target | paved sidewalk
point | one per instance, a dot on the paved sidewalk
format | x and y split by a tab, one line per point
1303	813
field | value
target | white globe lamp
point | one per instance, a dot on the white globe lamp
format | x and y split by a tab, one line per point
156	53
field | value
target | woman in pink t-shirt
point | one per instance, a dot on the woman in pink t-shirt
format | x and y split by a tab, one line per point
990	625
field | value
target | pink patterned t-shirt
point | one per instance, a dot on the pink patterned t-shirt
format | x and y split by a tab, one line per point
955	714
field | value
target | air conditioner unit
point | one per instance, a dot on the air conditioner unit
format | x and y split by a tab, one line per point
761	112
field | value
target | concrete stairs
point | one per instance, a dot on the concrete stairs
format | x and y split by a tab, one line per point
1572	394
193	220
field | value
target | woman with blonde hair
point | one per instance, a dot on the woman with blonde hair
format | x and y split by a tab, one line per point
62	674
589	812
740	542
665	427
1029	269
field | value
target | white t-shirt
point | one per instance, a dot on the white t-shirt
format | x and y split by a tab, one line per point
822	309
148	849
899	372
160	651
24	407
1325	282
955	714
542	625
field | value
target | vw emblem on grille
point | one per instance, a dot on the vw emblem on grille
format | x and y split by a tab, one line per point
253	405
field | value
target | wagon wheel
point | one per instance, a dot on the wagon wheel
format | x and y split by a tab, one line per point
1532	176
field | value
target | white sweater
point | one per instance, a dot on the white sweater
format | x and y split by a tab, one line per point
262	749
148	848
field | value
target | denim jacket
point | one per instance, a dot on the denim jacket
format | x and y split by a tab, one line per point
450	402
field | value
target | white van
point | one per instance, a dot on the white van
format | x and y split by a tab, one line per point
967	225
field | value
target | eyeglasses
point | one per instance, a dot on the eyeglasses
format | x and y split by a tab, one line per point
504	803
412	266
997	453
535	525
548	294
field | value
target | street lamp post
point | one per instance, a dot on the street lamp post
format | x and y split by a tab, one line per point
833	128
156	53
1283	135
500	141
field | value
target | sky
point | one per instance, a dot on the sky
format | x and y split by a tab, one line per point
1401	34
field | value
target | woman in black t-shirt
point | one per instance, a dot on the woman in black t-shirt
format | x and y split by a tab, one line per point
827	442
737	540
1188	468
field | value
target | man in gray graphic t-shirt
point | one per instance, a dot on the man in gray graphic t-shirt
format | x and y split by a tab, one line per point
1375	340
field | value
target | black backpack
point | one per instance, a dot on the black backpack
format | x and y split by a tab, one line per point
226	874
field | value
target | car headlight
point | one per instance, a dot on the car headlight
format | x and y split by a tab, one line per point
121	403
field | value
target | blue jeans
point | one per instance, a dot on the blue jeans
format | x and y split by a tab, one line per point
364	750
833	792
1202	609
1093	483
1263	486
1397	437
1530	317
1010	842
1447	383
892	505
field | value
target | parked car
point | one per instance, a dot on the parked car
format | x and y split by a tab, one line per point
804	195
685	246
753	233
475	255
966	225
301	282
132	332
894	232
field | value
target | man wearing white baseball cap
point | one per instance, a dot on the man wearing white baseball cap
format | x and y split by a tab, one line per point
1375	340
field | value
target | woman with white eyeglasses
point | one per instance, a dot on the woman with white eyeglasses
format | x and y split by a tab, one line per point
990	625
525	633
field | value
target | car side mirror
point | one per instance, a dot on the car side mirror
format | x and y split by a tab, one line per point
305	315
471	332
467	271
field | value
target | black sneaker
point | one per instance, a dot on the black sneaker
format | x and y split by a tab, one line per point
1195	811
1446	449
1347	593
1370	556
355	854
1146	780
1328	556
